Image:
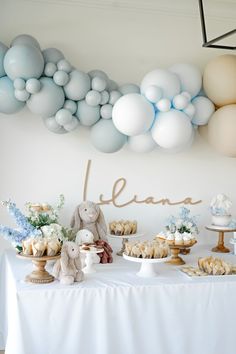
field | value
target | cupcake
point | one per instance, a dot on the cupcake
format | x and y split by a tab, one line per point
178	239
39	247
27	247
170	238
187	239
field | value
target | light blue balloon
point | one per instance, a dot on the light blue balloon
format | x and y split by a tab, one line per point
129	88
78	86
112	85
93	98
114	96
33	85
53	126
64	65
106	138
24	62
105	97
52	55
61	78
98	73
8	103
19	84
50	69
3	50
88	115
22	95
63	116
25	39
72	125
98	84
106	111
71	106
48	100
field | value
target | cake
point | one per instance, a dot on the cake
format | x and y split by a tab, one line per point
123	227
147	249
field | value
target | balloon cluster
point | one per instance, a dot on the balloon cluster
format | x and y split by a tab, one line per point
162	112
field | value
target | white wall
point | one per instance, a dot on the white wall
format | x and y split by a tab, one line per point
37	165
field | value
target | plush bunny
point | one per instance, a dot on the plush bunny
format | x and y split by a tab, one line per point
68	268
88	215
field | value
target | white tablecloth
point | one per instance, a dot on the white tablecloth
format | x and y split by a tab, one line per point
116	312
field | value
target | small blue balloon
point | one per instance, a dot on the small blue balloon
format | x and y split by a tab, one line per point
61	78
25	39
24	62
50	69
19	84
3	50
64	65
129	88
53	126
8	103
106	138
71	106
78	85
33	85
52	55
88	115
22	95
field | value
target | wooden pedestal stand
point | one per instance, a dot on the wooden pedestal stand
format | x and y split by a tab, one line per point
39	275
220	248
175	250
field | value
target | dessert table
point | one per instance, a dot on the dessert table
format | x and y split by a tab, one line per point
115	311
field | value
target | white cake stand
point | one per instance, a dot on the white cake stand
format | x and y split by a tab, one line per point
124	238
89	268
147	269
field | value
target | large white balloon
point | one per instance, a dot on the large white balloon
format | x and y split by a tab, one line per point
133	114
166	80
190	77
142	143
172	129
48	100
78	85
23	61
204	109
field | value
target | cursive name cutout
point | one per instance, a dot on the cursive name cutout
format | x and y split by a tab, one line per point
119	187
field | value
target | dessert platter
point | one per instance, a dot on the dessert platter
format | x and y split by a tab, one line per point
90	250
210	267
148	253
124	230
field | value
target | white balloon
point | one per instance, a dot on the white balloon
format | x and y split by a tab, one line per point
142	143
50	69
164	105
133	114
99	84
180	101
93	98
190	77
72	125
129	88
61	78
64	65
33	85
106	111
114	96
63	116
22	95
78	86
104	97
171	129
167	81
153	93
204	109
19	84
190	110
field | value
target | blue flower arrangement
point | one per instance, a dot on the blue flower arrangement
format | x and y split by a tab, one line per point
25	228
182	223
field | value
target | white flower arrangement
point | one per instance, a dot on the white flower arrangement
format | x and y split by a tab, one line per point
184	224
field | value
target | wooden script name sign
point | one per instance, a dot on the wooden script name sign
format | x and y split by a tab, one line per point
118	188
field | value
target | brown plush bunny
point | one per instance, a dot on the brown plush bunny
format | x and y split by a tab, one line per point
68	268
88	215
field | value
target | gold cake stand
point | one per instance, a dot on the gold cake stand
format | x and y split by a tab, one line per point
220	248
175	251
39	275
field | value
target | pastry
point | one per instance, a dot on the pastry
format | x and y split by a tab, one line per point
147	249
123	227
39	247
27	247
214	266
53	247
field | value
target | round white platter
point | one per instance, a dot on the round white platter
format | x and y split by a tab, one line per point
89	268
147	269
124	239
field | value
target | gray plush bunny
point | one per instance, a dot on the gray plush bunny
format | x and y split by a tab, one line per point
88	215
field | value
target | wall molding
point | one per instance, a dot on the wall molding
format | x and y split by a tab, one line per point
215	9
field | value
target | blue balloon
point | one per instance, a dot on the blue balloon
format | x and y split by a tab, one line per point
129	88
52	55
25	39
48	100
8	102
3	50
88	115
106	138
78	86
23	61
53	126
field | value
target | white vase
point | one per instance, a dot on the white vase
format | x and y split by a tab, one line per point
221	220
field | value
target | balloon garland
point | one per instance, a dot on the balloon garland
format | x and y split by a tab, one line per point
164	111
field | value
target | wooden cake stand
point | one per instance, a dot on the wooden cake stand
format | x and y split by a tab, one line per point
175	250
124	238
39	275
221	230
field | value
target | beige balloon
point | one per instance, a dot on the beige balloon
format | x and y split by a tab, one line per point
222	130
219	80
